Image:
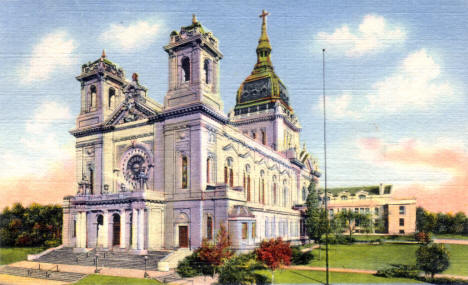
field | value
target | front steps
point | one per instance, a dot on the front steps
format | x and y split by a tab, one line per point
115	259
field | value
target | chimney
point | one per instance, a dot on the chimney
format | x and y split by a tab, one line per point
381	189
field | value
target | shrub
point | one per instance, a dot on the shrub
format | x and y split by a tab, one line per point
432	258
399	270
192	266
240	270
340	239
300	258
442	280
52	243
423	237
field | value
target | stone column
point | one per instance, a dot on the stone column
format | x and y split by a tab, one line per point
123	229
141	229
134	228
105	228
82	230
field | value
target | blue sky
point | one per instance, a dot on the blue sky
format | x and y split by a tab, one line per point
396	75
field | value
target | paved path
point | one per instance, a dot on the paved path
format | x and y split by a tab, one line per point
18	280
362	271
121	272
451	241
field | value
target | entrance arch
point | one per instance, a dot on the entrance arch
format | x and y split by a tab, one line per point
116	230
99	231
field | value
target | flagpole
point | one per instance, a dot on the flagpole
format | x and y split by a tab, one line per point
325	166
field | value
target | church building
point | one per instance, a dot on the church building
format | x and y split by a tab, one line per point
154	176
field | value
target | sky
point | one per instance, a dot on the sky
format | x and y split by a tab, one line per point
395	72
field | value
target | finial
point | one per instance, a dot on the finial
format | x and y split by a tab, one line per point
264	15
194	19
103	55
135	77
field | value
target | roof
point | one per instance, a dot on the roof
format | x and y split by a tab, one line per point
371	190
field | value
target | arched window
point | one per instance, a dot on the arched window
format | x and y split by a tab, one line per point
186	69
263	134
285	193
261	191
92	97
249	195
229	172
209	227
111	97
91	180
254	135
206	71
304	193
209	162
184	172
275	199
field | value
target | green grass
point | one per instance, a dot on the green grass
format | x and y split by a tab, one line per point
317	277
374	257
113	280
13	254
450	236
458	255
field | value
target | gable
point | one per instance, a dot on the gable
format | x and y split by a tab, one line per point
130	111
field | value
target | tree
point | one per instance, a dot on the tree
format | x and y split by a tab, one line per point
458	223
316	221
216	254
425	221
432	258
351	220
274	253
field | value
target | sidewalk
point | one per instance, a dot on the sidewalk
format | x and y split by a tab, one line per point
19	280
362	271
120	272
451	241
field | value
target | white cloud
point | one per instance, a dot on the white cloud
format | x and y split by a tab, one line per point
45	142
373	34
137	35
339	107
416	85
53	53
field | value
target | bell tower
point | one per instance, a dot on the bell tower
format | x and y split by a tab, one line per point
101	90
193	68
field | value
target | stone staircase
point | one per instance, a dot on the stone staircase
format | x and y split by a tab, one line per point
42	274
105	258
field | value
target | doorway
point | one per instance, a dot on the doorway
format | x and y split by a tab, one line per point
183	236
116	230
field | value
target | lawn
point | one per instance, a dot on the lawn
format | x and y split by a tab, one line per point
368	256
316	277
450	236
113	280
13	254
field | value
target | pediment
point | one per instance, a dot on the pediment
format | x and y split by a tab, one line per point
130	111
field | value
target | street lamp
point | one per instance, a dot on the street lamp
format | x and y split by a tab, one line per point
96	262
146	260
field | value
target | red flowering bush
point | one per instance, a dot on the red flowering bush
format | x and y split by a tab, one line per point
274	253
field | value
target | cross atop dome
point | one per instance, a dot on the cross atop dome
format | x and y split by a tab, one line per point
264	15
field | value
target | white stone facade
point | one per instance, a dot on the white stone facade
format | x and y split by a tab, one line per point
154	176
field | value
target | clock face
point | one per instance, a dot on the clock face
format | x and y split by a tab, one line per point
135	166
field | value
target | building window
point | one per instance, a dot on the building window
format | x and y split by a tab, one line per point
304	193
402	222
356	210
261	197
266	227
254	229
111	97
367	210
402	210
344	197
92	98
229	173
184	172
263	134
254	135
362	197
244	230
361	210
206	70
209	228
402	232
376	211
74	229
186	69
330	212
209	167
